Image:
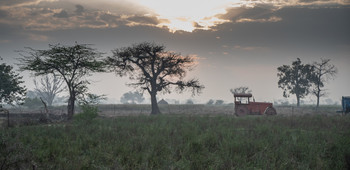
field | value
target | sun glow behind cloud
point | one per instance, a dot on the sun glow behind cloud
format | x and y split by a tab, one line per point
188	15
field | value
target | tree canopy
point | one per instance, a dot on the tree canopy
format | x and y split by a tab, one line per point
154	69
72	64
242	89
11	91
295	79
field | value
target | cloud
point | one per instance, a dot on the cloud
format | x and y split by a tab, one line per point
21	3
247	48
271	19
62	14
46	15
79	9
3	14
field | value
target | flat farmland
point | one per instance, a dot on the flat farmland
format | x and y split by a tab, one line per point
191	140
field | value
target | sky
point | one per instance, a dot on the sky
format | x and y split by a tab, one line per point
236	42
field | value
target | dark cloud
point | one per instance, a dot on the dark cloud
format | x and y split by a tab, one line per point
143	20
79	9
62	14
257	14
197	25
3	13
17	2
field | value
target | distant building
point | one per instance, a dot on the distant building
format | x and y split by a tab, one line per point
163	102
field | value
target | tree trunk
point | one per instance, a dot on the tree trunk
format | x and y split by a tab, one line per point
318	99
318	93
155	108
71	105
298	100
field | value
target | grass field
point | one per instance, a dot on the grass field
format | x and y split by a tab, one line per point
181	142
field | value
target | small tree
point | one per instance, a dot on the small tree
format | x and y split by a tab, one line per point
323	71
132	97
154	69
49	88
295	79
210	102
11	90
219	102
242	89
189	101
72	64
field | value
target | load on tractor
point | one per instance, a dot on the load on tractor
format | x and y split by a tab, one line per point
244	106
345	102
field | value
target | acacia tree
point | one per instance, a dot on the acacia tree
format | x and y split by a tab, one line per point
323	71
72	64
49	87
153	69
10	85
295	79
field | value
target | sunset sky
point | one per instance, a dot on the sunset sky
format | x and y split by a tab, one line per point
237	43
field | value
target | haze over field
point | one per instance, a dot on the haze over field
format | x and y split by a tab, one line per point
236	43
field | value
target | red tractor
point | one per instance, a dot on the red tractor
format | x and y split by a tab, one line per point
243	106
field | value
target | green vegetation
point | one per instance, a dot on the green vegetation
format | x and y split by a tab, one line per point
182	142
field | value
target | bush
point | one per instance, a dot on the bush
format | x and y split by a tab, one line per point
88	113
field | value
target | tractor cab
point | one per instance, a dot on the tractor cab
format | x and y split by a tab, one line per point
242	98
245	106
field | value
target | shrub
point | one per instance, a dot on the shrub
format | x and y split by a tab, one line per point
89	112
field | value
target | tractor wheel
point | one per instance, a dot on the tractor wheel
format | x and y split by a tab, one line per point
242	111
270	111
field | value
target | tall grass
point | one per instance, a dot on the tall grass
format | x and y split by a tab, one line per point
185	142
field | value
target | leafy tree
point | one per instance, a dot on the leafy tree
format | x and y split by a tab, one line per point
72	64
32	102
210	102
49	88
11	90
153	69
295	79
323	71
219	102
132	97
242	89
189	101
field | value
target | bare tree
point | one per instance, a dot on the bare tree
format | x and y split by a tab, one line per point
154	69
49	87
323	72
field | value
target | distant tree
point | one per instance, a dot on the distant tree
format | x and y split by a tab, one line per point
323	71
210	102
219	102
49	88
31	94
132	97
295	79
72	64
242	89
189	101
154	69
32	102
11	90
